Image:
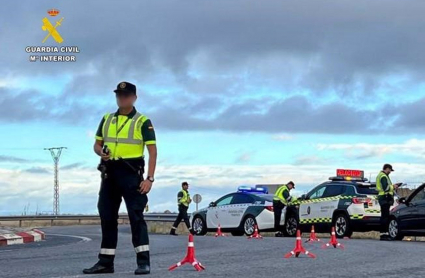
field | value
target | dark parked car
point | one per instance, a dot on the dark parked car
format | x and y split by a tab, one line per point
408	218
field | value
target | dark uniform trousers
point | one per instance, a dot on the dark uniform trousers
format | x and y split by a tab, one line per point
385	201
123	181
278	207
182	216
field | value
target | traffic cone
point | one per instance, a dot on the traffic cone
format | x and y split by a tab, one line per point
190	257
299	249
313	236
219	233
334	242
256	234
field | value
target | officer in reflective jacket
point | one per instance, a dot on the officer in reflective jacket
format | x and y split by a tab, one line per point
281	199
183	201
125	132
386	191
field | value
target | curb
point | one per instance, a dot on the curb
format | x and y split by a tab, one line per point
20	237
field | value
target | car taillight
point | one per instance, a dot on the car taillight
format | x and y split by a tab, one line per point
361	200
270	208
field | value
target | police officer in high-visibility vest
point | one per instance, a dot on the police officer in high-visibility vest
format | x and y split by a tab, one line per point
183	201
386	191
281	199
120	142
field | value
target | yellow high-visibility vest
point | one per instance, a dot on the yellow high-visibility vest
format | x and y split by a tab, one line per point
390	189
185	199
278	196
128	143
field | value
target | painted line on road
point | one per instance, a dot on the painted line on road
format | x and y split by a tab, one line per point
83	238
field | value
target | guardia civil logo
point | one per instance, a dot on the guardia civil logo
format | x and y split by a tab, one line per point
52	30
53	36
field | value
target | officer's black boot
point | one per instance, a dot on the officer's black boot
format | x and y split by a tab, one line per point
142	269
173	232
99	269
143	263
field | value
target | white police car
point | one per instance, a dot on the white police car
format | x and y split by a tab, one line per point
236	213
348	202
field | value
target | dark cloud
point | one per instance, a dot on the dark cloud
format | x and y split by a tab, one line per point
234	66
411	117
7	158
72	166
32	105
37	170
336	43
294	115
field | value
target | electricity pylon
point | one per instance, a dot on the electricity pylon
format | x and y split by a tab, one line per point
56	155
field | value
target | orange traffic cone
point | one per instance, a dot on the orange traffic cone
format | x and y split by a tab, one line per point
334	242
313	236
190	257
219	233
299	249
256	234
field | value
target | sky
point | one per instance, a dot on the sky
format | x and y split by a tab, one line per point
240	92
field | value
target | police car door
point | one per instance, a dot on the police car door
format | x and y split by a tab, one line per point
240	203
329	202
217	214
309	211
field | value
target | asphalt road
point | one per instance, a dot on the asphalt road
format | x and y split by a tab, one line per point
67	250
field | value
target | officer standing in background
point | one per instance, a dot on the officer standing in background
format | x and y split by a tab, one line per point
281	199
125	133
183	201
385	190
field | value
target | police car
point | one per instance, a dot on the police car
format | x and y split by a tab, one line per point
348	202
237	213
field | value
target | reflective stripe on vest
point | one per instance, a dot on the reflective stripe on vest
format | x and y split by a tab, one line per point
185	199
278	196
129	142
390	188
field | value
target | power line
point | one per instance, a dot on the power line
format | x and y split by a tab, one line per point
56	153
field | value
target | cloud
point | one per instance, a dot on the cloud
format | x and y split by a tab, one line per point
80	186
412	148
7	158
76	165
277	67
37	170
243	158
309	160
283	137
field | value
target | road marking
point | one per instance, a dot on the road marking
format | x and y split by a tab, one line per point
83	238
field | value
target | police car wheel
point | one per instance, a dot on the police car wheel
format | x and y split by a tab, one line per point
394	230
291	226
249	225
342	226
199	226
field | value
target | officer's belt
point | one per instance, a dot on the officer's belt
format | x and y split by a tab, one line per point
135	164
